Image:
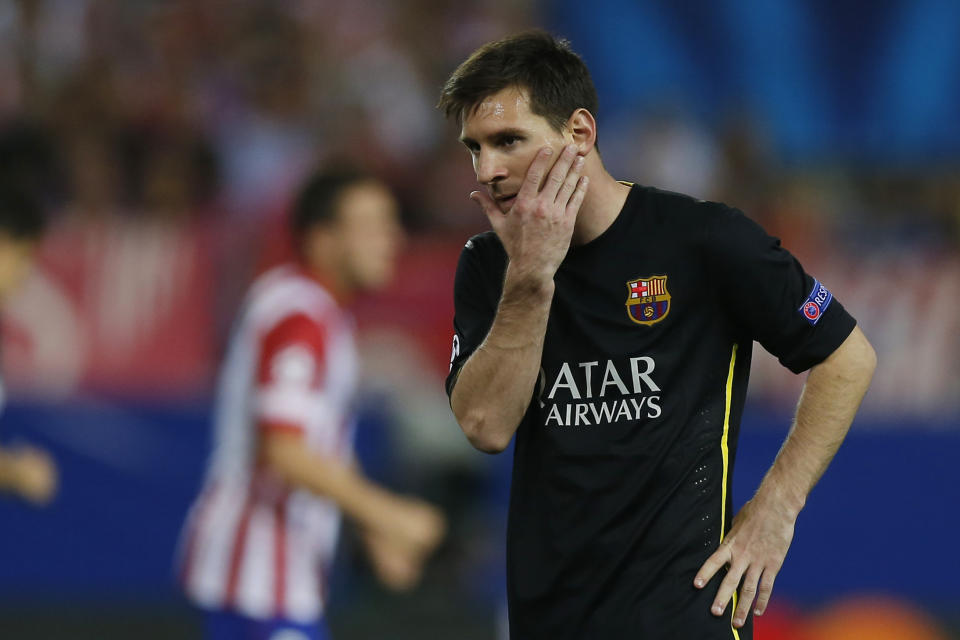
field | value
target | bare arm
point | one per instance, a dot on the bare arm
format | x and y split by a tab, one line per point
410	523
496	383
830	399
758	541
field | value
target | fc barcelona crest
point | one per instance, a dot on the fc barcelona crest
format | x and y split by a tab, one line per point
648	300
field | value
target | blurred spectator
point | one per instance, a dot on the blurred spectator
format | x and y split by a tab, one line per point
673	152
29	159
262	124
26	471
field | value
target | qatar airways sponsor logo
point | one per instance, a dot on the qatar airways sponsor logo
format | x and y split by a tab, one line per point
585	394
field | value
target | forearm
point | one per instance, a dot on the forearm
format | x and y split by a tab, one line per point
756	545
494	387
358	498
828	403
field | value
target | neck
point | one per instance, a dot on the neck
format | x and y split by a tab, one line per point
327	278
601	206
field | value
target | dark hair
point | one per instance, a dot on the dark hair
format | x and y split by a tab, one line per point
30	161
318	201
21	215
556	78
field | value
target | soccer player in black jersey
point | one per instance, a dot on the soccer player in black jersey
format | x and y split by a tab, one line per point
608	326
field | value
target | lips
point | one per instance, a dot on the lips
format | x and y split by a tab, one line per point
507	200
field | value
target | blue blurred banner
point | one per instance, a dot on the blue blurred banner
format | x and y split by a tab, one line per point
127	475
881	520
877	81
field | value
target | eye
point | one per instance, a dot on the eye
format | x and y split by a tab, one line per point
509	140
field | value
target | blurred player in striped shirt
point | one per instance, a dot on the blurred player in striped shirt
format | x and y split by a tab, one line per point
263	531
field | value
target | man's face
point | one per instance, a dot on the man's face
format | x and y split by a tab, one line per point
366	235
503	137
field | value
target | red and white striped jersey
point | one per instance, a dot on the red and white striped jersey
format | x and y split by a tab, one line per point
253	544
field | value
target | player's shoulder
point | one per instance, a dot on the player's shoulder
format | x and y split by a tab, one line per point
696	222
485	243
484	249
483	262
287	291
681	207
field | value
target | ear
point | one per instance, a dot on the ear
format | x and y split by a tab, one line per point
582	127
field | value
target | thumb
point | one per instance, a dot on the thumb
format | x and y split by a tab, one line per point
489	207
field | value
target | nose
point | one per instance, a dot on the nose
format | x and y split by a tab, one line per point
489	167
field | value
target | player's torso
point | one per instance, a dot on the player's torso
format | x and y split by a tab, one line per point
637	347
328	420
616	486
245	513
635	333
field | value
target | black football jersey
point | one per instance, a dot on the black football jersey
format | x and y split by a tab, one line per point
623	460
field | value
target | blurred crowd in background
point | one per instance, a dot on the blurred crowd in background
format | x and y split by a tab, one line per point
166	140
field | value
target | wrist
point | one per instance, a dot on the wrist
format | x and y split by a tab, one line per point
374	509
782	496
527	286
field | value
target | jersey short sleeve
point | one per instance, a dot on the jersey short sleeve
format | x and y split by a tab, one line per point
289	373
476	294
765	291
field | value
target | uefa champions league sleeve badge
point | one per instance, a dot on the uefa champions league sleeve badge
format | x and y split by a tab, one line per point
816	303
648	300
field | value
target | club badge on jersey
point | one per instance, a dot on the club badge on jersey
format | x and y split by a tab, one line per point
648	300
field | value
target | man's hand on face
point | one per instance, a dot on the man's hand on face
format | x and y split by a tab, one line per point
536	230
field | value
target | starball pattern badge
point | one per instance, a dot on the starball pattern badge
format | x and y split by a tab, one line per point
648	300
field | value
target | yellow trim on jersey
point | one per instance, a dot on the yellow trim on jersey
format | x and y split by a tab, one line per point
724	449
733	610
723	441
